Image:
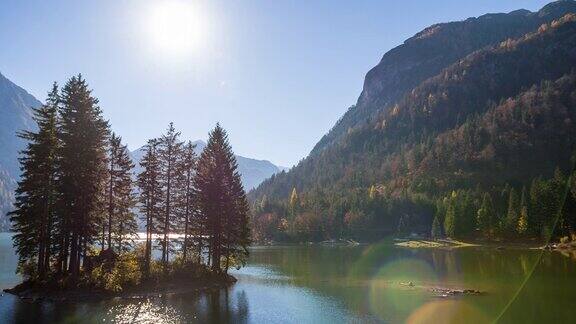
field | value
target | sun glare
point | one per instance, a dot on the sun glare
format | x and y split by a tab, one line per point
176	29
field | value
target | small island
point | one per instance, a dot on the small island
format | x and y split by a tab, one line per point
79	199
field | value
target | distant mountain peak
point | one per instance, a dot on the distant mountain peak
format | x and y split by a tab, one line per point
253	171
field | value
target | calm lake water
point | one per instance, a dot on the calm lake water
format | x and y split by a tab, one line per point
321	284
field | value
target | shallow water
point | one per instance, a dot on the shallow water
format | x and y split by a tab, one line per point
321	284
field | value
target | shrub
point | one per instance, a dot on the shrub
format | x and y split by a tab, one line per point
124	273
28	270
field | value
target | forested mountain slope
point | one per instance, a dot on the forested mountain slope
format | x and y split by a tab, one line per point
498	117
428	52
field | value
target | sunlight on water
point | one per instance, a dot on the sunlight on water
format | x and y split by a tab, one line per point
144	312
377	283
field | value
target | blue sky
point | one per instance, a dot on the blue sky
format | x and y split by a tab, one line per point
276	74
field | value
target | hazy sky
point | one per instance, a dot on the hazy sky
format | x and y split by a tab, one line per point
276	74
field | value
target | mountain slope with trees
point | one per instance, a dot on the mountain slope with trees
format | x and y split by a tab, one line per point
491	121
425	54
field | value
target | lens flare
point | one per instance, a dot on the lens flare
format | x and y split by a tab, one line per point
447	311
394	289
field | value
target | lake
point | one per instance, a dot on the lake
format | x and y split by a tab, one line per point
377	283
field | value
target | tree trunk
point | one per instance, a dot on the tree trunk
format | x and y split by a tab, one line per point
167	218
73	255
148	250
187	217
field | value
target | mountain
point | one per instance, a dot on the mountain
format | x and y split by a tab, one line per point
482	104
16	115
430	51
253	171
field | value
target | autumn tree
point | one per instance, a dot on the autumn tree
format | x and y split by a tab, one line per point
522	225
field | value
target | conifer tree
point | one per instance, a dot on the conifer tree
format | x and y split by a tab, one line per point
122	224
35	215
187	171
83	133
119	195
512	213
169	153
222	203
150	196
450	219
486	215
436	232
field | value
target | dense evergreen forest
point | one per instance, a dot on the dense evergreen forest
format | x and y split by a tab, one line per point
483	149
75	219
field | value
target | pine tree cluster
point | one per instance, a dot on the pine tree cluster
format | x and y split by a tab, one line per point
77	200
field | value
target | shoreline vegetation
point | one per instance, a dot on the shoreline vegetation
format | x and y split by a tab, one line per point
50	292
80	196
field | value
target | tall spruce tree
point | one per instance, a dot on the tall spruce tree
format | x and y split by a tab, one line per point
122	225
83	133
512	215
150	197
451	219
35	214
188	206
169	153
486	215
436	231
222	203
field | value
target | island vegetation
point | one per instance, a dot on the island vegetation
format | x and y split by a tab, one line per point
77	203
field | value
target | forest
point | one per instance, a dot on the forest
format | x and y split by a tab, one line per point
78	202
483	150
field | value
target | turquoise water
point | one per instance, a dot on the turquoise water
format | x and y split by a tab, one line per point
321	284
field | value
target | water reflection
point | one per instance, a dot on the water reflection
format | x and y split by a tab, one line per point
318	284
213	307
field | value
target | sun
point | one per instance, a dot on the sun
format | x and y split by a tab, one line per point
176	28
